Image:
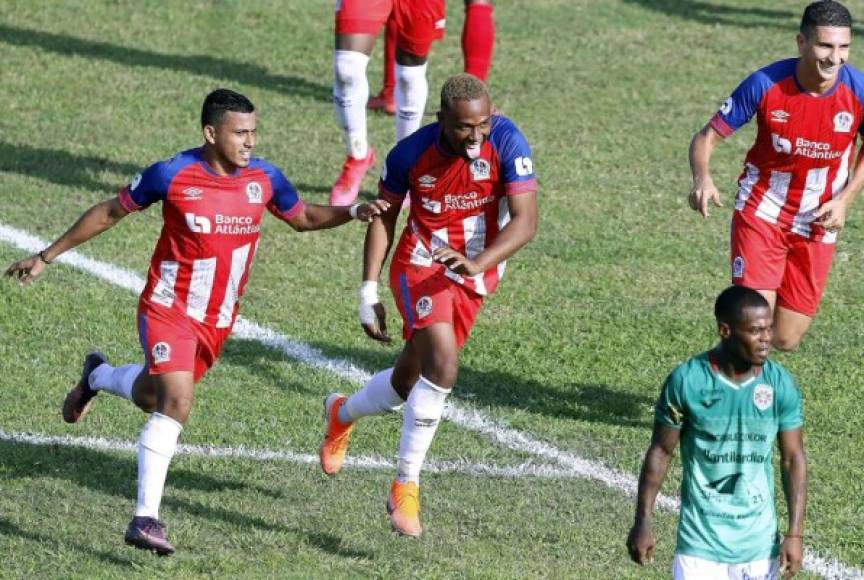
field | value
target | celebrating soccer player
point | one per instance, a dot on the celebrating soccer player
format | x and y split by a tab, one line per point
795	190
417	24
212	199
473	204
727	407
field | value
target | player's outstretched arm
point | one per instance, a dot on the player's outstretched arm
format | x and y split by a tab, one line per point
641	540
793	463
831	215
322	217
94	221
518	232
379	239
703	190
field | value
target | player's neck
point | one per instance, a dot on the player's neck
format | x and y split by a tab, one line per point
217	164
732	366
811	82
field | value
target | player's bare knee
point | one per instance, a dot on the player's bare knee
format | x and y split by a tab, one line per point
442	370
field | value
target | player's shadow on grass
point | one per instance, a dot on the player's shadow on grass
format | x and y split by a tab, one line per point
58	544
112	475
64	168
738	16
592	402
217	68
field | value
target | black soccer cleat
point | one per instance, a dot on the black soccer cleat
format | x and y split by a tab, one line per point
77	402
148	534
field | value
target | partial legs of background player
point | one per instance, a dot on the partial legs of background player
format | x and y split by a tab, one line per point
350	94
423	377
478	41
168	398
789	326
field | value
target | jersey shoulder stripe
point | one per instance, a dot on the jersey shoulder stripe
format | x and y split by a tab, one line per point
151	185
740	107
402	158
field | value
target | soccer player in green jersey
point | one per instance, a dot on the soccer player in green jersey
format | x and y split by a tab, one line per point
727	406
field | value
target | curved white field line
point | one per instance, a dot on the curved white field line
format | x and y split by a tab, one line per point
461	415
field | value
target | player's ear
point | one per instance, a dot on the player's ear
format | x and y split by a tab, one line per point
724	330
210	134
801	40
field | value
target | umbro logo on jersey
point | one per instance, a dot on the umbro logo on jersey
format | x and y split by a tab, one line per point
427	182
843	122
779	116
440	24
193	193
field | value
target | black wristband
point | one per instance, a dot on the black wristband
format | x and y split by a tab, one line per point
42	257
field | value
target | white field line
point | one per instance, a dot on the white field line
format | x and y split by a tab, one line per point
208	451
465	417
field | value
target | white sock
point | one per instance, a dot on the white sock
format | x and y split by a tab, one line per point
155	449
117	381
350	94
411	92
422	414
377	397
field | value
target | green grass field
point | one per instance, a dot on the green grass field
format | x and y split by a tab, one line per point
616	289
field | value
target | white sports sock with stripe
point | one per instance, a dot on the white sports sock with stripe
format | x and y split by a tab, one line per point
377	397
350	94
423	412
156	447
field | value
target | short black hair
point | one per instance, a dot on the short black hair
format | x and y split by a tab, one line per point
730	304
824	13
222	101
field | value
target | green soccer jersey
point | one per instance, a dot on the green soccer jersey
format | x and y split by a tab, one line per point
727	438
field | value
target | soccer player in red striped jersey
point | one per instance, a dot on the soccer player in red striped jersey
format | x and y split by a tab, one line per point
795	190
471	181
213	198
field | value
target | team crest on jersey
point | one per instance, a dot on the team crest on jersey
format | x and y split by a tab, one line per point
254	192
738	267
430	205
763	396
193	193
424	307
136	181
161	352
843	122
426	182
480	169
779	116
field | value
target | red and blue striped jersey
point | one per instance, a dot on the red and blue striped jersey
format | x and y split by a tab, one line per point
210	231
456	202
804	144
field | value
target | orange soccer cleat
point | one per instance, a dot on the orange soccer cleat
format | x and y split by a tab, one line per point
336	436
347	187
403	505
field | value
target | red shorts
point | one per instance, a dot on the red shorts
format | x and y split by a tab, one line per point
425	299
418	22
178	343
764	257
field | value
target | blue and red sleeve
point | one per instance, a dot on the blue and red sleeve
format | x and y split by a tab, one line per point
740	107
517	165
854	79
395	176
146	188
285	203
